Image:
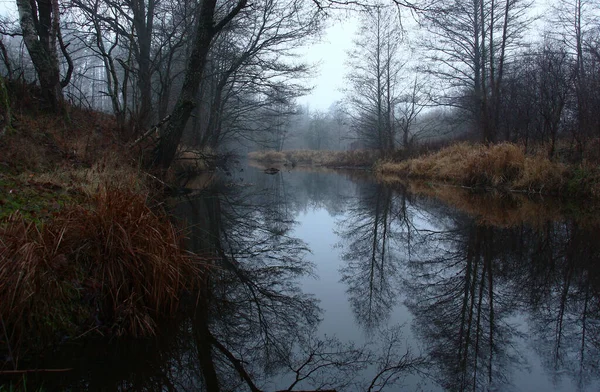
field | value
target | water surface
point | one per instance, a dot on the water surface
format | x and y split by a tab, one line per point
332	281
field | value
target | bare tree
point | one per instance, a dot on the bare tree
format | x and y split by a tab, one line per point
40	25
576	20
256	53
467	51
206	30
374	76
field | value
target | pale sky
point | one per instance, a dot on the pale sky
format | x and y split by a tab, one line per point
331	54
328	56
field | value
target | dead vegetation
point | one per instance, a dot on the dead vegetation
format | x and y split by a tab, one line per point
341	159
85	245
502	166
114	266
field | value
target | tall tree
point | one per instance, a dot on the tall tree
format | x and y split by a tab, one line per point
375	66
467	51
40	25
576	21
256	55
206	30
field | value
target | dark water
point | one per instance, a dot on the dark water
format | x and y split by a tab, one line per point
330	281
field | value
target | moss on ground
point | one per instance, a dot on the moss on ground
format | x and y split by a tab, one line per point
34	200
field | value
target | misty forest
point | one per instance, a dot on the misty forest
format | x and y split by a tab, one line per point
299	195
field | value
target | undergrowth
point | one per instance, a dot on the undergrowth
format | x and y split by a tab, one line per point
85	246
502	166
115	266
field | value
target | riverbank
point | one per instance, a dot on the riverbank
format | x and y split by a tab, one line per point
86	247
317	158
504	167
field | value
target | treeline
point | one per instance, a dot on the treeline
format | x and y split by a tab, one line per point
228	67
501	72
228	72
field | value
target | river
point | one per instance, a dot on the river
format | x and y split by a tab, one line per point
325	280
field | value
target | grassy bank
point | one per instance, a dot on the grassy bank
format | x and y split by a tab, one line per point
85	245
503	167
340	159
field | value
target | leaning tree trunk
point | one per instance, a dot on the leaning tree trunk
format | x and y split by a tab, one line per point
40	33
206	30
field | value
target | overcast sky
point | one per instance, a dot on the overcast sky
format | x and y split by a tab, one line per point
331	56
328	56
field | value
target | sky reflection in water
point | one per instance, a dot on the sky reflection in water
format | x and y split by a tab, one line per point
328	280
384	257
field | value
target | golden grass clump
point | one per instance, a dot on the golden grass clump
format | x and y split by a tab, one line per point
501	166
35	281
497	165
118	264
445	164
539	173
110	170
132	255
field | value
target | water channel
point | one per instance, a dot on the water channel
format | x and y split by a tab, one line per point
331	281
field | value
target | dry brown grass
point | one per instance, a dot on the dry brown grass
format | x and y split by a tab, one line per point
109	170
34	276
356	158
47	141
267	156
96	256
133	255
502	166
117	266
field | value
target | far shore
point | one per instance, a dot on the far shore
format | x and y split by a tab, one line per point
503	167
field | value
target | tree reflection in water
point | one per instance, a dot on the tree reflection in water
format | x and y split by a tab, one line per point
462	311
563	300
473	289
486	302
255	328
370	233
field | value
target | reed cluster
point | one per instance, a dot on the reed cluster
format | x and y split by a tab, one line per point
84	248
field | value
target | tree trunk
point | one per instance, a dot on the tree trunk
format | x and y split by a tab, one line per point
143	22
40	33
171	135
